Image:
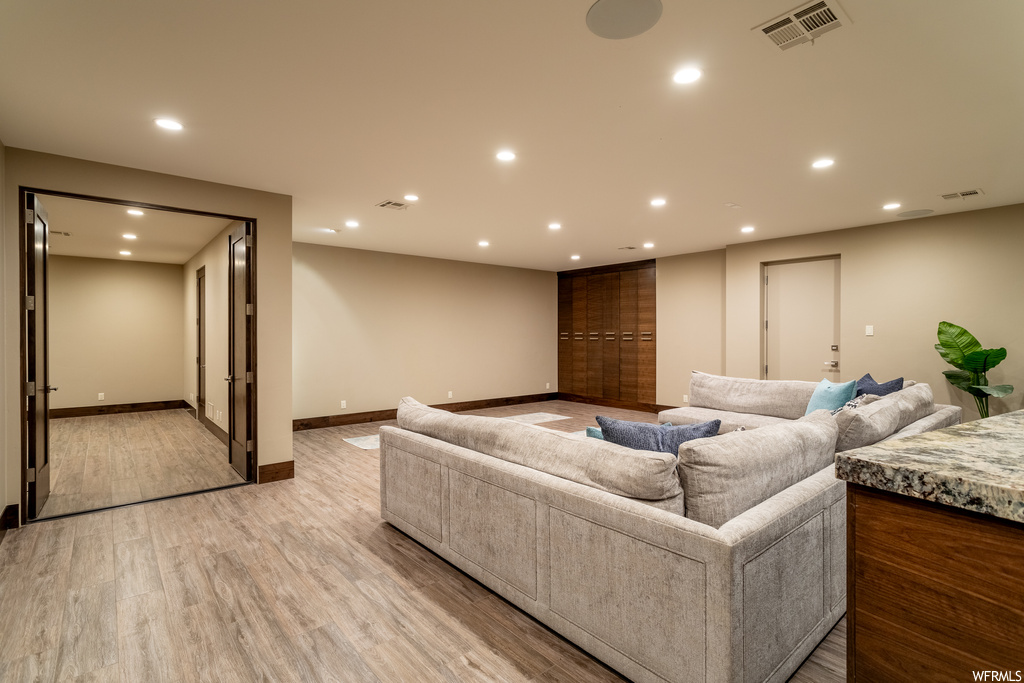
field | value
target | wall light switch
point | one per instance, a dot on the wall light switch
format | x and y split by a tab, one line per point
686	398
547	385
449	394
869	330
99	397
344	404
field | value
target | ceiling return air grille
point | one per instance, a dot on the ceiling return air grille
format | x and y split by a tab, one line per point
804	24
394	206
964	195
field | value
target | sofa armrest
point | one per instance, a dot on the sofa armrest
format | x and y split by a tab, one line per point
944	416
788	574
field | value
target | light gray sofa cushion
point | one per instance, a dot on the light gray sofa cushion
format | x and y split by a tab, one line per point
731	473
645	475
731	421
879	417
776	398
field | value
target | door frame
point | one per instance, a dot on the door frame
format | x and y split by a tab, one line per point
27	448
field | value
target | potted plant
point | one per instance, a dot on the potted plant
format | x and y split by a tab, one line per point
959	348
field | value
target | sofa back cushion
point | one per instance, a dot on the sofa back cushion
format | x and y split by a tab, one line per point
645	475
777	398
733	472
876	418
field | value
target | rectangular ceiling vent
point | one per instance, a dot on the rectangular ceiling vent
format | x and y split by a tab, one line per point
54	233
964	195
395	206
804	24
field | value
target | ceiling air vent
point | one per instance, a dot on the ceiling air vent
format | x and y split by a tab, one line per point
54	233
964	195
396	206
804	24
621	248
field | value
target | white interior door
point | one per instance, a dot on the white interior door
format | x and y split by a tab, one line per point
802	320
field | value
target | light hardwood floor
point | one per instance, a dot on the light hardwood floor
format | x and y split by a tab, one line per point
106	460
297	580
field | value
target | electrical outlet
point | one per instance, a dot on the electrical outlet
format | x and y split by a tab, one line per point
869	330
344	404
99	397
547	385
191	396
449	394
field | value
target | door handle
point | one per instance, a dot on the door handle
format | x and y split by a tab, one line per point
832	363
229	379
49	389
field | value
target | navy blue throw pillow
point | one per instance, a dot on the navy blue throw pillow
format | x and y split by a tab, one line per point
650	437
867	385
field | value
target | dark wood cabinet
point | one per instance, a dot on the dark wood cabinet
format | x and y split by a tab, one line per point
606	335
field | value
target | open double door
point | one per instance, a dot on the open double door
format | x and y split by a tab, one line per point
34	367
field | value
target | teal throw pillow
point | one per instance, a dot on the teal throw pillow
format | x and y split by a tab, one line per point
829	395
595	433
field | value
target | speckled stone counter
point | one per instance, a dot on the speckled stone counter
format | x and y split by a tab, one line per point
977	466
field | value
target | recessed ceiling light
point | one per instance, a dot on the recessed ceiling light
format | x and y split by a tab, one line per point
658	202
484	243
411	197
506	155
169	124
126	253
351	224
688	75
135	212
128	236
747	228
890	207
575	257
648	245
555	226
823	163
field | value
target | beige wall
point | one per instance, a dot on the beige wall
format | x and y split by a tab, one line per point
691	321
115	328
214	257
903	278
370	328
9	373
273	272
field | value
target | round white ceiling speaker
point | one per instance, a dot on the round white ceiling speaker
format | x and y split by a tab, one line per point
617	19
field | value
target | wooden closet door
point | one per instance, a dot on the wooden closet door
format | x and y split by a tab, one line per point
628	335
579	335
610	336
565	383
595	326
647	345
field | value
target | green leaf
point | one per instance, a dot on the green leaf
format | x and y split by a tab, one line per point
999	390
961	379
984	360
954	343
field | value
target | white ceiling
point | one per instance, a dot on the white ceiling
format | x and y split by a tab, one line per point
345	104
98	228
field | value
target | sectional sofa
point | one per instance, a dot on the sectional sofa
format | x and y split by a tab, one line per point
723	563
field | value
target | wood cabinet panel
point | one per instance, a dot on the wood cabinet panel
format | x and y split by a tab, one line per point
628	337
647	356
565	382
579	336
934	592
606	354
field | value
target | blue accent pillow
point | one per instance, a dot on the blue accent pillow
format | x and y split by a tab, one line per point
867	385
829	395
644	436
674	436
595	433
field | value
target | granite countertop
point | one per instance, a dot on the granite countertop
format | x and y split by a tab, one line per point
976	466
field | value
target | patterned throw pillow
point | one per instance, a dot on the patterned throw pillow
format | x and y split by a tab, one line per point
867	385
853	403
650	437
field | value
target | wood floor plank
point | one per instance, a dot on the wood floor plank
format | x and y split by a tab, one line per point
89	631
146	649
293	581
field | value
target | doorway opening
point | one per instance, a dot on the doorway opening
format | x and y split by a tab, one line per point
124	304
